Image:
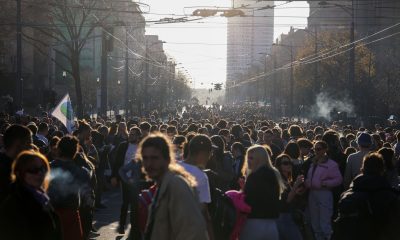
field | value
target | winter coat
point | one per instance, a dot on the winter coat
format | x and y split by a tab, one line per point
368	210
242	210
68	186
22	217
176	212
326	173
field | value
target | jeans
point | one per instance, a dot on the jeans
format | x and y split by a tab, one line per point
259	229
320	205
287	228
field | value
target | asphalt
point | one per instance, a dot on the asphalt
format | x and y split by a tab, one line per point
106	220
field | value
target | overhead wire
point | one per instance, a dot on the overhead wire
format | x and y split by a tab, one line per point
297	63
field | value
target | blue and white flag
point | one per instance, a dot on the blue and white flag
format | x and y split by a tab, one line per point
65	113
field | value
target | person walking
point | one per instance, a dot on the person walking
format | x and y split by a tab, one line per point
288	230
175	212
262	191
369	209
354	161
26	214
17	138
68	186
323	175
126	151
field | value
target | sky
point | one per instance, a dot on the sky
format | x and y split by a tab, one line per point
199	47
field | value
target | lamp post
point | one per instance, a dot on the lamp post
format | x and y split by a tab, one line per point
352	53
291	88
98	94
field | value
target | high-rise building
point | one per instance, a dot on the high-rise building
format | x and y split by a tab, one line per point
249	38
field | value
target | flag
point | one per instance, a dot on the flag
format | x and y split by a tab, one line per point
65	113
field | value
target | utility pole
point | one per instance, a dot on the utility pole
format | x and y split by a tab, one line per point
19	84
146	77
171	79
126	75
103	82
291	81
352	54
265	79
316	83
274	88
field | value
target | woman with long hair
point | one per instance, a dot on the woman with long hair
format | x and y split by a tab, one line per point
288	230
390	170
27	213
322	177
121	135
292	149
262	191
175	211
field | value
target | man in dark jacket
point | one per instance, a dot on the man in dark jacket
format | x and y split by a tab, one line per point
126	151
368	210
17	138
69	188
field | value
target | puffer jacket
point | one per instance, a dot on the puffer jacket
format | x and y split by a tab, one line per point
326	173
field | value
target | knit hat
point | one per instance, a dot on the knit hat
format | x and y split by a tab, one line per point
364	140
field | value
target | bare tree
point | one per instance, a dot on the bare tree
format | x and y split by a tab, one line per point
70	23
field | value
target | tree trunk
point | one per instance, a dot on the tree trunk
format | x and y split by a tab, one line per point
78	89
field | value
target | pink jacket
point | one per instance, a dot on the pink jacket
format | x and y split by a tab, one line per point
242	209
326	174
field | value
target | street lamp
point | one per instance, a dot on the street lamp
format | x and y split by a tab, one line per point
290	47
98	94
350	11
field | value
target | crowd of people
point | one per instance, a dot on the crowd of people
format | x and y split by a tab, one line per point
203	173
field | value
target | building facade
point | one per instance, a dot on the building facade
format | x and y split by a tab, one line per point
249	38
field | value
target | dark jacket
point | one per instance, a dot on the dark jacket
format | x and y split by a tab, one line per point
22	217
368	210
5	175
262	193
237	166
89	185
119	159
67	183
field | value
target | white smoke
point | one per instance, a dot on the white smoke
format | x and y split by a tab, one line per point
324	105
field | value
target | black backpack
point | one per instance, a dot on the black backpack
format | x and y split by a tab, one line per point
221	209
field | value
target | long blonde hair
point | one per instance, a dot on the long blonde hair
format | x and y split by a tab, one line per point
262	157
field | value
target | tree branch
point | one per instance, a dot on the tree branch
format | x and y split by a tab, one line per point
51	58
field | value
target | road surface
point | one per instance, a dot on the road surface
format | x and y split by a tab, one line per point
106	220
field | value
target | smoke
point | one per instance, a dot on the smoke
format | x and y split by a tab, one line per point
63	183
325	104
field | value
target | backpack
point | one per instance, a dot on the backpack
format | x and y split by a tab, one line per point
223	216
221	209
145	199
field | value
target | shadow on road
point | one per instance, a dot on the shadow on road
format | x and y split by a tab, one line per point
110	215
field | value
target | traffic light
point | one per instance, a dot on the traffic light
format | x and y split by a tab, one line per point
218	86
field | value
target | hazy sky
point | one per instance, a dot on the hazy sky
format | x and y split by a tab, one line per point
201	45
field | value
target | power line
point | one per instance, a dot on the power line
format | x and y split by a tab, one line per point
297	63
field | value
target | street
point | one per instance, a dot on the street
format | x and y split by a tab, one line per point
106	220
